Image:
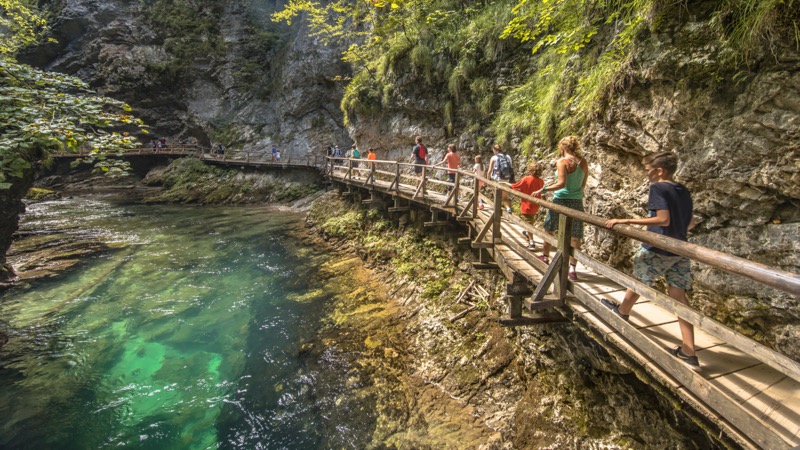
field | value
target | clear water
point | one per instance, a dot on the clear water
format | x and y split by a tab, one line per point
186	337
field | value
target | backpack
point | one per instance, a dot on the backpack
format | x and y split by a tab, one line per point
423	152
504	166
356	153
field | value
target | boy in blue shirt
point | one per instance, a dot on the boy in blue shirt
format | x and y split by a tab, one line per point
670	206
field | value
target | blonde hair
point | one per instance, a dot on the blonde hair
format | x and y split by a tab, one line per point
498	148
479	159
534	168
569	144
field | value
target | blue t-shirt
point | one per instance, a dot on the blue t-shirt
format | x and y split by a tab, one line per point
675	198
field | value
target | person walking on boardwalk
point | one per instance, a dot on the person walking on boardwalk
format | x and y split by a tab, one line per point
419	155
671	214
371	157
453	162
274	152
477	169
500	170
572	173
528	185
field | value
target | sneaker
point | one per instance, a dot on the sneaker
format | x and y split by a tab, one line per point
690	360
531	244
508	210
572	276
615	308
543	259
480	207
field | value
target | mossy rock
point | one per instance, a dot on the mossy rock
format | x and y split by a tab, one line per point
40	195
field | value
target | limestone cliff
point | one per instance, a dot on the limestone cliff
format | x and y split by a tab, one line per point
220	72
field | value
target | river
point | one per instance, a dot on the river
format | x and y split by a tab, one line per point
189	335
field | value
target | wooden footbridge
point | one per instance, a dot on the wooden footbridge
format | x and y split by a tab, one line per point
749	390
229	158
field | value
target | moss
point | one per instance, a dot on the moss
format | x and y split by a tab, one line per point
39	194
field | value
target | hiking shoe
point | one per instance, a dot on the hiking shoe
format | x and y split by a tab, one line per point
572	276
615	308
531	245
690	360
543	259
508	210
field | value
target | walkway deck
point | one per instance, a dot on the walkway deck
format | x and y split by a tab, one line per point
750	391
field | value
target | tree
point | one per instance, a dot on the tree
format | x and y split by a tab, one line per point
43	112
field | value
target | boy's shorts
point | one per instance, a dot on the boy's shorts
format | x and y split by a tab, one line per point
648	266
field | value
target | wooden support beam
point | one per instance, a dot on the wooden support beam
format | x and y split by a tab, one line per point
533	319
544	303
485	266
547	279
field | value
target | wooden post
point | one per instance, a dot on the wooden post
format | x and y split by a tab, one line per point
455	193
498	215
477	195
565	247
424	180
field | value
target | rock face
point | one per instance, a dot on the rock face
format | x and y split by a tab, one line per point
228	76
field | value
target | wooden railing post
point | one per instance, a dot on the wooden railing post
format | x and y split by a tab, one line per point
350	169
396	181
424	180
497	217
565	247
455	192
477	193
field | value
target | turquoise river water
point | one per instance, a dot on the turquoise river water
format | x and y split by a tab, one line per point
188	336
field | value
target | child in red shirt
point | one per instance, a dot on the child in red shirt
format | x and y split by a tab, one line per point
528	185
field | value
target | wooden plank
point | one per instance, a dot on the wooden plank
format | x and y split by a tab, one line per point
746	383
779	407
727	358
485	266
752	427
764	354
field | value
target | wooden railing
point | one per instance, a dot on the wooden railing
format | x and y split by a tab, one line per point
262	158
174	149
395	172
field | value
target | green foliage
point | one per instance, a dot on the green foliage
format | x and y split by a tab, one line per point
751	25
529	69
43	112
20	25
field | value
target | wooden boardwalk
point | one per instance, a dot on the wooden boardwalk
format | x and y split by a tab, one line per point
749	390
229	158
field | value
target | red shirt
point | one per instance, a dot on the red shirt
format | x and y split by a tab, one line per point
528	185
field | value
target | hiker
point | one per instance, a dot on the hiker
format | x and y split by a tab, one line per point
500	170
355	154
371	157
278	155
337	153
274	152
671	214
528	185
572	173
220	149
478	170
453	162
419	155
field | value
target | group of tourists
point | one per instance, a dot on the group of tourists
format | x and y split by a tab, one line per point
669	204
